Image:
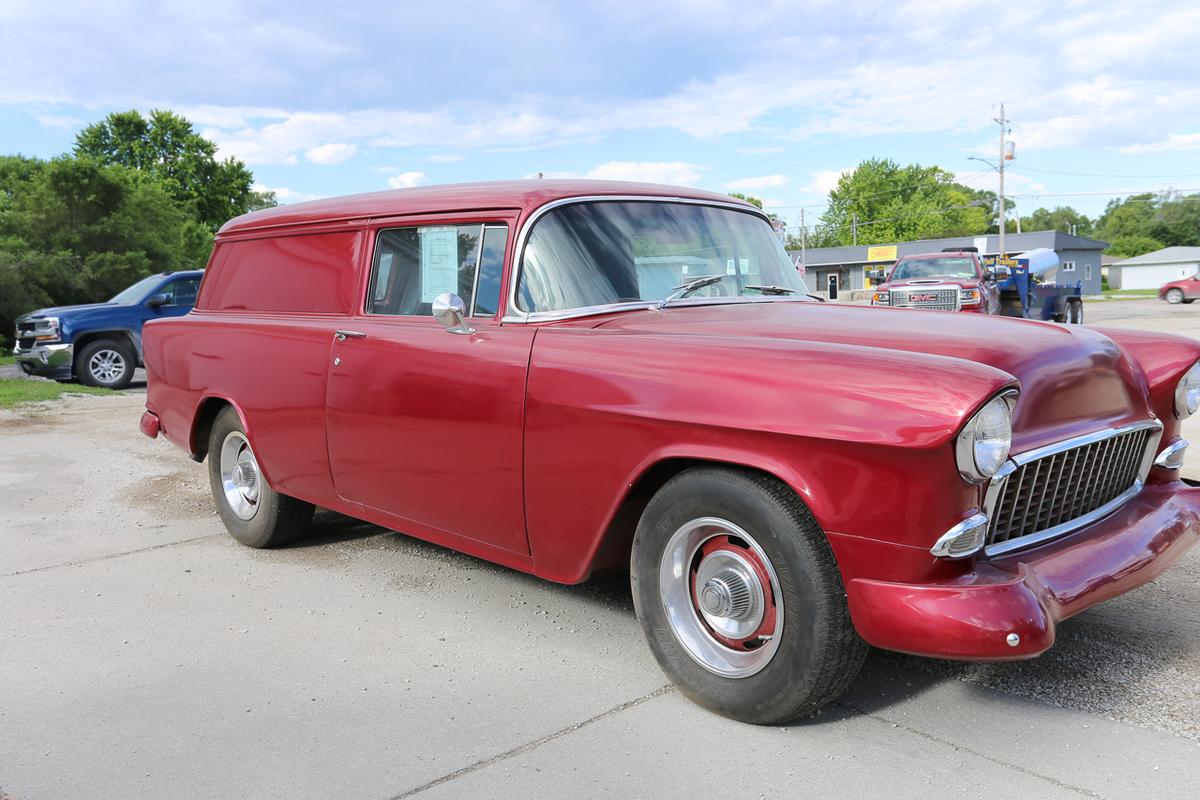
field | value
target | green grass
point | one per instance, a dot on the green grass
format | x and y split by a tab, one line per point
7	358
18	391
1129	294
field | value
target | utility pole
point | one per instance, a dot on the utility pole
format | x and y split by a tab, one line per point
803	241
854	219
1003	155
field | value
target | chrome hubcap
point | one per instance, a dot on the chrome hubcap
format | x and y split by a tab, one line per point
106	366
721	597
240	478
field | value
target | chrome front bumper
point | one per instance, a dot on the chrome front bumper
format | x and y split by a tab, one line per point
49	360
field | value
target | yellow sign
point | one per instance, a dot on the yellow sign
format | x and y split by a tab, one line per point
883	252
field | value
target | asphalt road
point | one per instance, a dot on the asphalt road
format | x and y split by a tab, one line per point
143	654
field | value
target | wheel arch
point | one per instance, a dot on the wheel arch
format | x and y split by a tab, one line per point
122	335
615	542
202	422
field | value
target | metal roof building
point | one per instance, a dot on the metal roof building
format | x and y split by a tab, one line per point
1079	257
1151	270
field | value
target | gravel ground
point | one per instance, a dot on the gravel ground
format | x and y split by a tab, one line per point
143	654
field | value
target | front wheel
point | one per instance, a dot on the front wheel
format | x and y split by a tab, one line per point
105	363
1174	296
254	513
740	598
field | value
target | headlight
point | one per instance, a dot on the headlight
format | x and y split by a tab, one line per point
46	329
882	298
969	297
983	444
1187	393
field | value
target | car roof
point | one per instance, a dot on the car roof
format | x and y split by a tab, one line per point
521	195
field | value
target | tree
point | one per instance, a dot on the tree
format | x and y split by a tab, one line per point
76	231
749	198
1143	223
881	201
166	146
1062	218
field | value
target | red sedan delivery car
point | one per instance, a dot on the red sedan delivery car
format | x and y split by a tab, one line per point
572	376
946	281
1185	290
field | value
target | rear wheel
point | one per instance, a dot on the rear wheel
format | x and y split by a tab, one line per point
106	363
254	513
1174	296
1074	313
740	598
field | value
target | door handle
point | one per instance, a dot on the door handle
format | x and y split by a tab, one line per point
342	336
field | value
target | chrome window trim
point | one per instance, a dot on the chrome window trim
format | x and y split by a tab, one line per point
512	314
996	488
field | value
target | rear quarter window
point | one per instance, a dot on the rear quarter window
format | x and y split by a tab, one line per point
311	273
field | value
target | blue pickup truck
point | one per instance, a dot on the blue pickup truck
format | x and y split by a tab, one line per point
100	344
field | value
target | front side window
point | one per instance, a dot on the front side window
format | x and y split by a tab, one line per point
414	265
934	268
600	253
181	292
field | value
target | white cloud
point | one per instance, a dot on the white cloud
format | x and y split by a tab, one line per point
825	181
760	151
761	182
62	122
1174	142
285	195
445	158
332	153
673	172
406	180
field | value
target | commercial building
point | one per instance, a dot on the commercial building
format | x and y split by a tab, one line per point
1152	270
1079	257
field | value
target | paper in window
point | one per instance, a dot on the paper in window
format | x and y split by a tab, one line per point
439	261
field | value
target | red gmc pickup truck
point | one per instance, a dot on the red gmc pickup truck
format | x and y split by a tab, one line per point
948	281
571	376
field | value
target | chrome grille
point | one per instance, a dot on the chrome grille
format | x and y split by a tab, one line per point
1056	492
936	298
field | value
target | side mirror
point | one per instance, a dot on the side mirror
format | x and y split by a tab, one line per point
988	275
159	300
448	309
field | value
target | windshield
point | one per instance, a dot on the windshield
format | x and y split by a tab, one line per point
597	254
134	294
934	268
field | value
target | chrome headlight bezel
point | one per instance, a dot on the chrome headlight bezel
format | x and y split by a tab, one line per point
46	329
966	444
1187	392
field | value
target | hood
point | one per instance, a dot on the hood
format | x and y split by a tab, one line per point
1073	379
68	312
965	283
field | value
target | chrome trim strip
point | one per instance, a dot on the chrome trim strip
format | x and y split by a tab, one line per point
995	489
1079	441
512	314
478	261
942	548
1165	458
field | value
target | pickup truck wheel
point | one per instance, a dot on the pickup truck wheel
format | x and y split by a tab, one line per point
254	513
740	598
106	363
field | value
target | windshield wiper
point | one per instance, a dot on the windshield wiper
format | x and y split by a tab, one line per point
687	287
772	289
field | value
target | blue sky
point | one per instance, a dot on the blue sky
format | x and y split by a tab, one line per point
771	98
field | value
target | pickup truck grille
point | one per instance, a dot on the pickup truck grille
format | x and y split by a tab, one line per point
1064	487
937	298
25	343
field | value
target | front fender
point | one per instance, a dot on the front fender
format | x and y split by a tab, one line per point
1162	358
860	433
